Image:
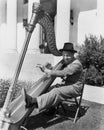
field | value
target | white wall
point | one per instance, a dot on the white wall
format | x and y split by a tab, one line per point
87	24
81	19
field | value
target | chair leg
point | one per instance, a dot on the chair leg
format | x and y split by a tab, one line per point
76	102
23	128
77	111
76	115
63	107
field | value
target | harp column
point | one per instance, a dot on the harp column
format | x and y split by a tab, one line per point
11	44
34	41
62	22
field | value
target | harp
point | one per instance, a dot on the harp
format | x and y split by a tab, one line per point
18	112
13	114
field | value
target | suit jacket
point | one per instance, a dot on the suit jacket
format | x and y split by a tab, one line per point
71	73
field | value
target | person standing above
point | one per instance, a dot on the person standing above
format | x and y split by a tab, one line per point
71	84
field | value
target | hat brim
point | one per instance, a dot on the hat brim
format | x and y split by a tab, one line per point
74	51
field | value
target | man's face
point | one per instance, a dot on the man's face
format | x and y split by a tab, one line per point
67	56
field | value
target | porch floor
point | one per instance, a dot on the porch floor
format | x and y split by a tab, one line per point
92	118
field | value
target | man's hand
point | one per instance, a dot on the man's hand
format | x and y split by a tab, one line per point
48	66
44	69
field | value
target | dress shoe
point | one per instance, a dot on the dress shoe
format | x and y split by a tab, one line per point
27	98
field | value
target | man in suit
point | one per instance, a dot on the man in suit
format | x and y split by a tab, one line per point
70	87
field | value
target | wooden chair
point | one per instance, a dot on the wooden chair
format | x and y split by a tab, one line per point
76	100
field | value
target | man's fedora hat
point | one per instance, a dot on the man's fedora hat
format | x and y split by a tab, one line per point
68	47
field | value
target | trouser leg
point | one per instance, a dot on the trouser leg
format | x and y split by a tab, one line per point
55	96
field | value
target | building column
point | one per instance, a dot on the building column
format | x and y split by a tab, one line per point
2	11
100	17
62	22
34	41
11	45
2	25
62	25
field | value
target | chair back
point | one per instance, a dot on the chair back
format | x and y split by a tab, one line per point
83	79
